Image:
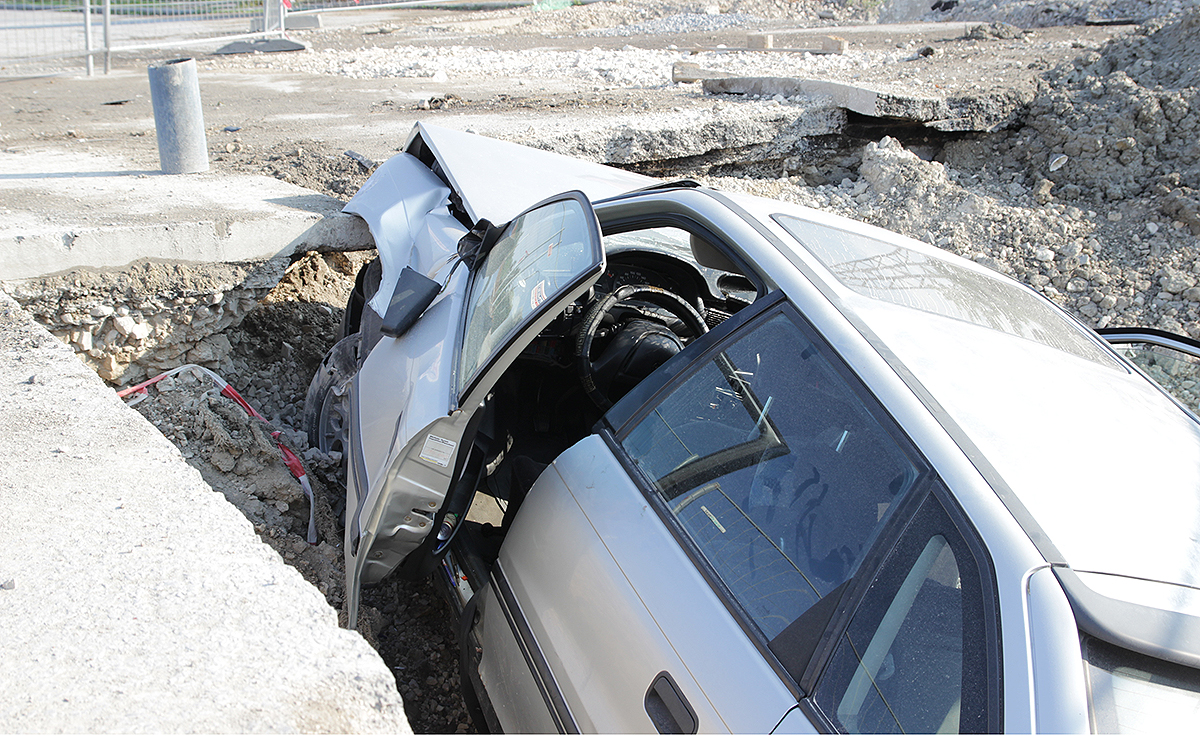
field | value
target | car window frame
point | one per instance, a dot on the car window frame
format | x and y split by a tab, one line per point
628	412
934	490
618	224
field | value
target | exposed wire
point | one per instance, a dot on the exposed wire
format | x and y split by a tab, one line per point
290	459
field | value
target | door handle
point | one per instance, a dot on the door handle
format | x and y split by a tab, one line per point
669	711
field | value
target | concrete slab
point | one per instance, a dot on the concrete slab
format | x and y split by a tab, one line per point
714	131
64	209
770	40
898	31
856	98
984	112
133	597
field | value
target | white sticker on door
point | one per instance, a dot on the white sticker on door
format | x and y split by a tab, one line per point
438	450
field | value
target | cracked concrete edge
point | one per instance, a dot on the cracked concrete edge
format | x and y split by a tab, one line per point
657	137
134	597
984	112
58	250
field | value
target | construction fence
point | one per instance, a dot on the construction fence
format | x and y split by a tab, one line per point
40	37
55	36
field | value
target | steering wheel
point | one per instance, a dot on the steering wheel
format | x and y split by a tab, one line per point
641	344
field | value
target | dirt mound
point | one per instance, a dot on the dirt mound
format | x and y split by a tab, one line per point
1121	123
1164	53
304	163
1043	13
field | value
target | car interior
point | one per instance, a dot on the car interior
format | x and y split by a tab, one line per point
653	299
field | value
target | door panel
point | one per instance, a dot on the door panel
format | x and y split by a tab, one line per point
615	603
432	384
514	691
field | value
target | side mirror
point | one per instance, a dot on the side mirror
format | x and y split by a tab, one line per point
413	295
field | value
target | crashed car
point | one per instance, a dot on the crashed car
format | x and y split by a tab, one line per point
694	461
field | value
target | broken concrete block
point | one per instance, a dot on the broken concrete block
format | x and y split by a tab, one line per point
861	100
685	71
796	41
124	324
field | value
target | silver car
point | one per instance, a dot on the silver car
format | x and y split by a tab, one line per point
693	461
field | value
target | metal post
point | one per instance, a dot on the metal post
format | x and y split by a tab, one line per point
87	35
178	119
107	37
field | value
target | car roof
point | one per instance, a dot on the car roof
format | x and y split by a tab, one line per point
1106	464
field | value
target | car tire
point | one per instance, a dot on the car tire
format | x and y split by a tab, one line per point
327	402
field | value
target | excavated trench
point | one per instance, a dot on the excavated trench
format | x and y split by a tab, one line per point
262	328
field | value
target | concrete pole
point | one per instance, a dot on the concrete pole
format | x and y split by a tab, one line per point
87	36
178	119
107	36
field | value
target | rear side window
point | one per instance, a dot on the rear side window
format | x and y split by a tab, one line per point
778	466
915	657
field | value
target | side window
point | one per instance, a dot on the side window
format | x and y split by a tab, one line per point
914	658
779	468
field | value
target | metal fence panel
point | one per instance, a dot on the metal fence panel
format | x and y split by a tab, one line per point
53	36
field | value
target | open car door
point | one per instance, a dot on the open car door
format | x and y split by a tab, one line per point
539	263
1173	361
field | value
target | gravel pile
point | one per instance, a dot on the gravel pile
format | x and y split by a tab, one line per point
1123	122
1040	13
620	17
677	24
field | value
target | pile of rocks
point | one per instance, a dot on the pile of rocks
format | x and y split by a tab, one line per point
1123	122
1070	254
150	317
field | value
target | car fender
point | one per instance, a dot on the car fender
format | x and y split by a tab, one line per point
406	208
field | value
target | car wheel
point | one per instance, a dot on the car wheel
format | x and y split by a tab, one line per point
327	403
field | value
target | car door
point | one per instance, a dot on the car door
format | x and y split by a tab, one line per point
596	619
1173	361
445	365
690	565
